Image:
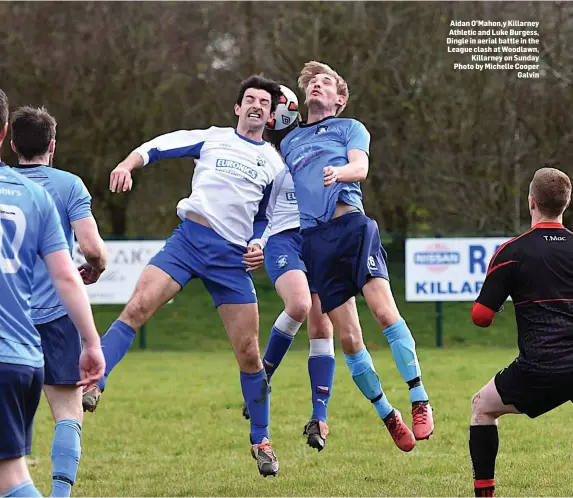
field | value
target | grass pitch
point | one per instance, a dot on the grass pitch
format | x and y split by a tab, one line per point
170	424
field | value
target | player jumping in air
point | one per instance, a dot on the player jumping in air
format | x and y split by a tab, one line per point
536	271
33	139
283	262
328	158
30	227
214	242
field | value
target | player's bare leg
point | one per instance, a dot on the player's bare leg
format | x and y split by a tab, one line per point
487	407
347	327
66	406
380	300
241	322
14	473
321	366
154	288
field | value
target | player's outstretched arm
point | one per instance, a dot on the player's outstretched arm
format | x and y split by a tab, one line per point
355	171
182	143
120	179
92	247
73	296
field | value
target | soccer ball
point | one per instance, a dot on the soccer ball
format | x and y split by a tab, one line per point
287	110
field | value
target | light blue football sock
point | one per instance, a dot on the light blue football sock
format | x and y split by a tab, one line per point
24	490
66	453
403	349
365	377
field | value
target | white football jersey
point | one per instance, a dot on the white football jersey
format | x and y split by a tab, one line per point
230	177
285	215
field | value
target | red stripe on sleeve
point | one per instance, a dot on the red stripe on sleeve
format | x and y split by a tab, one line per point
493	268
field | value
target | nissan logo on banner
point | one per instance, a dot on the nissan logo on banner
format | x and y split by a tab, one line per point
448	269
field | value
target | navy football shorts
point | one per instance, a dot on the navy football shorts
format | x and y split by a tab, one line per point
20	391
341	255
62	346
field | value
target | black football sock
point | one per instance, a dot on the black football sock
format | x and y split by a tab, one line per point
484	443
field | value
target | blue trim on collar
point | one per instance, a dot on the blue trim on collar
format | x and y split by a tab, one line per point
254	142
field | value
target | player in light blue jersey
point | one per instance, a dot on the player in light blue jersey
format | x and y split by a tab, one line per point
33	140
215	242
30	227
328	158
283	261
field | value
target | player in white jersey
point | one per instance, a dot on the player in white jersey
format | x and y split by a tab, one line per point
215	242
283	262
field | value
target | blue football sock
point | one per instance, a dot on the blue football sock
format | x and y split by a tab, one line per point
256	392
61	488
403	349
66	452
383	407
115	344
365	377
321	367
26	489
280	340
418	393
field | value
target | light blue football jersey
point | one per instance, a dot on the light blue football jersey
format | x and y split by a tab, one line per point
73	202
29	227
307	150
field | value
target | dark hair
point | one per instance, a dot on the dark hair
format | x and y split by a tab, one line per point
275	137
260	82
551	189
32	128
3	109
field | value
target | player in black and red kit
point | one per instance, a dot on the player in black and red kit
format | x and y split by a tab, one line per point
536	271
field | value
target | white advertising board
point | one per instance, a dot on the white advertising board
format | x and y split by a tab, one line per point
126	261
448	269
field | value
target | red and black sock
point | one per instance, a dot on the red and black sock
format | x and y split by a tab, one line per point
484	443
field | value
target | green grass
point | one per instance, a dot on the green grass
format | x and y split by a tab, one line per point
191	322
170	424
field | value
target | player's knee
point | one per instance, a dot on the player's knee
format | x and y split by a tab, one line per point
480	414
475	402
299	308
351	339
250	363
386	314
249	357
137	312
320	328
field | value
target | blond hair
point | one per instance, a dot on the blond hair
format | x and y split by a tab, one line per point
551	189
312	68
